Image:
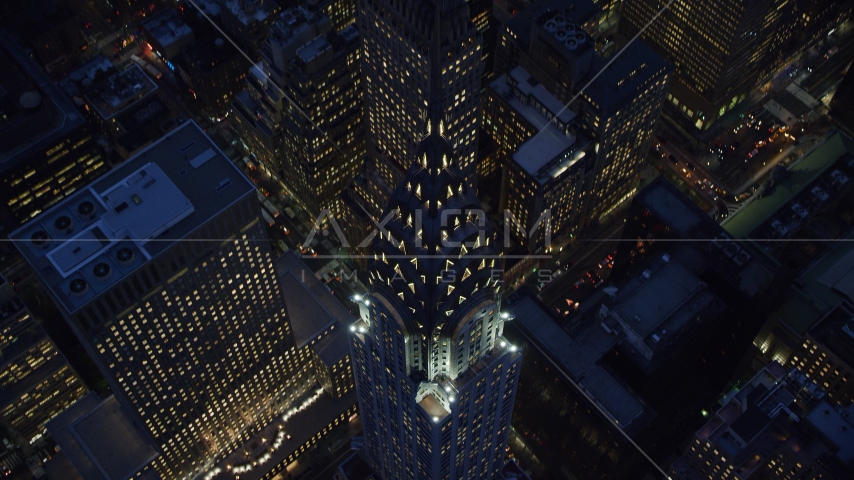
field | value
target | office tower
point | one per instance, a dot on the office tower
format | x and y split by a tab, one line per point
777	425
248	23
214	69
318	69
163	271
397	45
825	356
556	96
543	175
717	48
436	380
36	382
47	150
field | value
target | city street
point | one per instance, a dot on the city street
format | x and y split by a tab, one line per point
563	288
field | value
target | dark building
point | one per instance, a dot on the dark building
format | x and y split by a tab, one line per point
307	70
181	328
827	355
51	29
36	381
47	149
248	22
776	425
98	440
214	70
167	33
111	98
573	161
718	49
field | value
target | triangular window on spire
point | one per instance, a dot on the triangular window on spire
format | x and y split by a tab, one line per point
462	299
400	294
450	192
450	289
448	264
448	313
466	274
418	191
412	287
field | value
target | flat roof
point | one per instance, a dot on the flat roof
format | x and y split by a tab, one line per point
543	96
801	174
578	356
655	300
255	11
92	239
21	74
669	204
549	142
167	27
836	426
333	347
433	407
100	439
312	49
311	308
619	82
120	91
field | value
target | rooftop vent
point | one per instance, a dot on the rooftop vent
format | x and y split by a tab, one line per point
40	239
78	287
665	258
646	274
223	185
125	256
741	258
64	224
102	271
731	249
86	210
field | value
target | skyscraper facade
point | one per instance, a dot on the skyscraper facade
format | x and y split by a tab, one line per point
47	149
717	48
318	69
573	127
397	44
36	381
164	272
435	379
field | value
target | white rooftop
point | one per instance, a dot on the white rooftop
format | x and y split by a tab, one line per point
549	142
139	207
